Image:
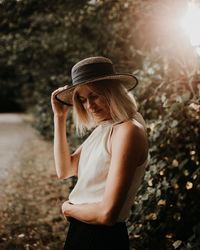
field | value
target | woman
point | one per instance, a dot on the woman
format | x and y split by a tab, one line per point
111	162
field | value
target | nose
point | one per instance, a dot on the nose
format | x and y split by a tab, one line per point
90	104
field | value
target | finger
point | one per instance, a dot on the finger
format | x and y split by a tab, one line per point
57	91
65	217
60	89
62	208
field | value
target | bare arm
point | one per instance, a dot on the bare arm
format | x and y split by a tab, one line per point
126	156
65	163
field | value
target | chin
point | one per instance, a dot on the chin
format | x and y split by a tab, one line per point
97	120
100	118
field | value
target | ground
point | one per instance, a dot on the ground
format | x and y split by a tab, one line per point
30	193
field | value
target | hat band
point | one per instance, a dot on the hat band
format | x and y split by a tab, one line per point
91	71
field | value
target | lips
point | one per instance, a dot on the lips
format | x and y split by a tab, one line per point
96	111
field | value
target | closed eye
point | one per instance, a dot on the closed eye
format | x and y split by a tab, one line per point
91	98
82	100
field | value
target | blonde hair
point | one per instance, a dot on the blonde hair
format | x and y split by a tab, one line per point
121	103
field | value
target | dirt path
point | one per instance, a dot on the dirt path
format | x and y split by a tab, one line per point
30	194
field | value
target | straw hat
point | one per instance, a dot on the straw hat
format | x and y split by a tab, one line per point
91	70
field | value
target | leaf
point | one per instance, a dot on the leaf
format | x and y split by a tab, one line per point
145	197
195	107
186	96
175	107
161	202
183	163
174	124
151	216
177	244
189	185
175	163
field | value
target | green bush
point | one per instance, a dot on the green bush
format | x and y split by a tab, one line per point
166	211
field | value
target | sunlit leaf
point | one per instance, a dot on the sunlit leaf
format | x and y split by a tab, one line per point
186	172
177	244
174	123
151	216
145	197
186	96
161	202
175	163
21	235
189	185
177	216
136	236
169	235
150	182
161	172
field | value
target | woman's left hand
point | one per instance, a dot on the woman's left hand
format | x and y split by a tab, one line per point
65	208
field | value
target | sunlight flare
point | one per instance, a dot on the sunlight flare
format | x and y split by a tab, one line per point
190	24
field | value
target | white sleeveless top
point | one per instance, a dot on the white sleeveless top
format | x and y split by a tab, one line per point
93	169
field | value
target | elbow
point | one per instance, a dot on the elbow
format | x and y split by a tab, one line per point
61	176
107	221
107	218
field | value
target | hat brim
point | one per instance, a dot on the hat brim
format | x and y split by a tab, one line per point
129	81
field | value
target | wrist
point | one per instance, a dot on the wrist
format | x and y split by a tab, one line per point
60	117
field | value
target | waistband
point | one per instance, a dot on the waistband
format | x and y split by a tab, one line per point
75	221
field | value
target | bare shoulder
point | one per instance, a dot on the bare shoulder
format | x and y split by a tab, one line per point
130	136
130	128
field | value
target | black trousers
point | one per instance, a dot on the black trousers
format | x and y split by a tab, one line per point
83	236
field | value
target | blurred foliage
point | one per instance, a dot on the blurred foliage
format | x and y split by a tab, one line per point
41	40
166	211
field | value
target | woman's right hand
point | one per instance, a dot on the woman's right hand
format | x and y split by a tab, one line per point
58	108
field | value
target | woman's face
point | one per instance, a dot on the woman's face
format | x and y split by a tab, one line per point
95	104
